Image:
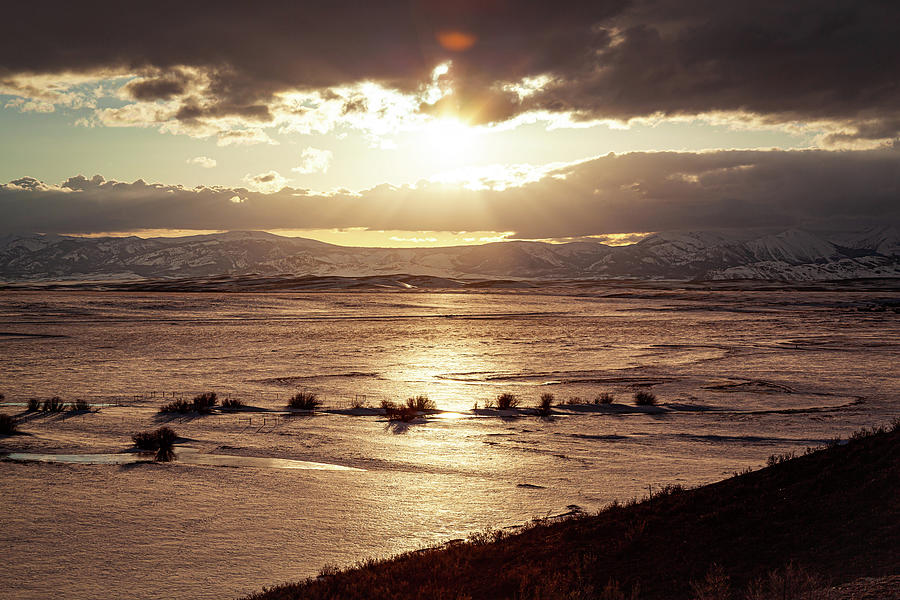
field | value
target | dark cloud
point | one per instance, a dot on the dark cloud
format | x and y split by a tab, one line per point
798	60
636	192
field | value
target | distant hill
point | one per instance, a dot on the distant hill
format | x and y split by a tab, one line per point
822	519
790	255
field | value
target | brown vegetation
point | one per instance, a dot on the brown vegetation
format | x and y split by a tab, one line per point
161	440
304	401
832	511
644	398
507	401
8	425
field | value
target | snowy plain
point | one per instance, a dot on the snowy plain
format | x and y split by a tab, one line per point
739	374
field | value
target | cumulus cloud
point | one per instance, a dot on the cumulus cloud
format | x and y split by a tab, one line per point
618	194
204	161
267	183
836	63
313	160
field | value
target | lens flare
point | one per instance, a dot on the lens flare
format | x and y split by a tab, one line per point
455	40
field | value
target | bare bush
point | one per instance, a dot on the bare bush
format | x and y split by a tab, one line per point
604	398
507	401
305	401
8	425
644	398
546	405
232	404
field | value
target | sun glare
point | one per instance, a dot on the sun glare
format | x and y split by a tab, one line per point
447	141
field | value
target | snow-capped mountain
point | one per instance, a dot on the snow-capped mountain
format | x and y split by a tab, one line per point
790	255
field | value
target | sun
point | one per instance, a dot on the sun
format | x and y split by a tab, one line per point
448	141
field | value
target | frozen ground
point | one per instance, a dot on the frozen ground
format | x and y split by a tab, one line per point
740	375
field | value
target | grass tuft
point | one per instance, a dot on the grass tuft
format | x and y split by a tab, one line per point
305	401
604	398
546	405
507	401
34	404
644	398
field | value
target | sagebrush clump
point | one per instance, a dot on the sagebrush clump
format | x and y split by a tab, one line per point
54	404
305	401
421	403
8	425
644	398
232	404
202	403
604	398
398	412
161	440
507	401
545	407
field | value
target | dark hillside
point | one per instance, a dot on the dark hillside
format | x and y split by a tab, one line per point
834	512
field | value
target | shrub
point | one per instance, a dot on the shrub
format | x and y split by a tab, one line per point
507	401
80	405
421	404
604	398
398	412
161	440
305	401
574	401
177	406
2	396
8	425
715	586
546	405
204	403
54	404
793	582
232	404
34	404
777	459
359	402
644	398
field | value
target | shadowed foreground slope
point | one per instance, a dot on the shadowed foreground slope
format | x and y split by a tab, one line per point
834	512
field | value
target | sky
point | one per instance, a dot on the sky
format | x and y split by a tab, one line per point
436	122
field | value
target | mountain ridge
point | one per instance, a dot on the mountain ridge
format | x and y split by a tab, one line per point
768	254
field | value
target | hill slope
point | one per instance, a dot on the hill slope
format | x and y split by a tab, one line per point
834	512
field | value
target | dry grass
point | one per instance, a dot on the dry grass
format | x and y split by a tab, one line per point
604	398
644	398
421	403
834	508
507	401
304	401
545	407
